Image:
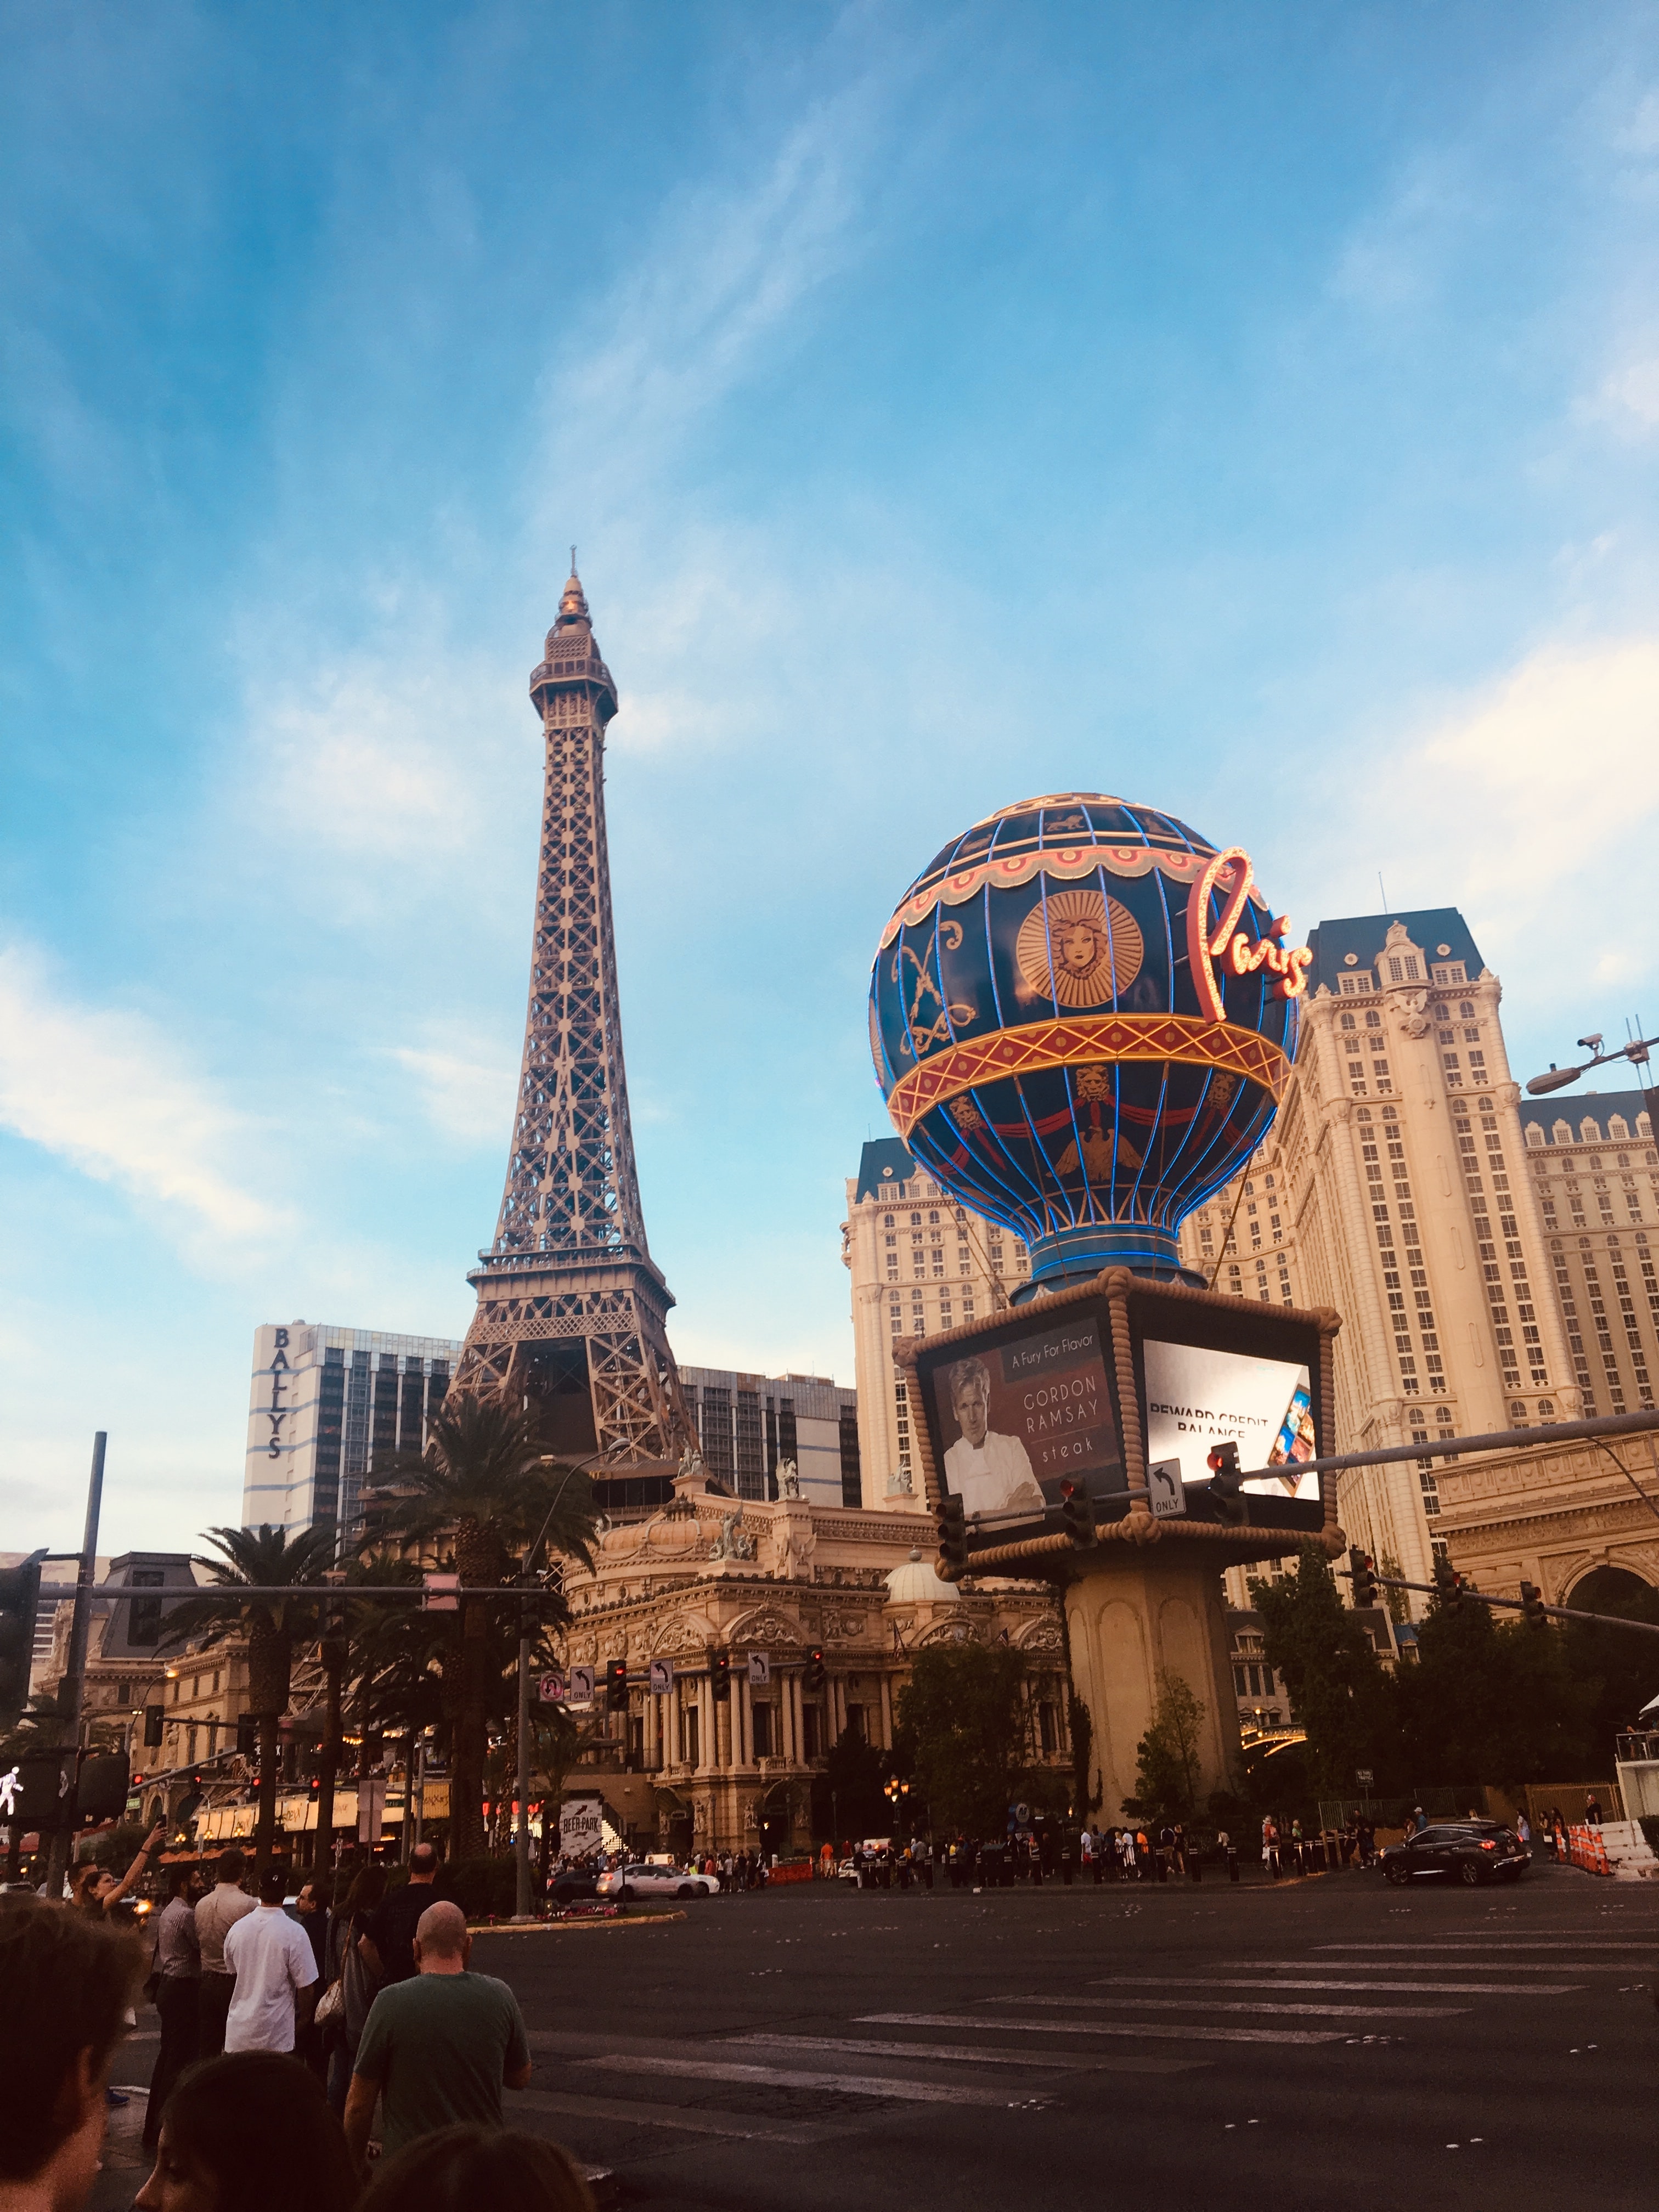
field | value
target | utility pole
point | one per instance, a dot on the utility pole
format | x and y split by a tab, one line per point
72	1694
521	1839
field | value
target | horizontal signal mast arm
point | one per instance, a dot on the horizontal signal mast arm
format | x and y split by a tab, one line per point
181	1593
1518	1605
1443	1447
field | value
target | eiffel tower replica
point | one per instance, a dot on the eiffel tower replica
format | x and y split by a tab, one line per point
572	1311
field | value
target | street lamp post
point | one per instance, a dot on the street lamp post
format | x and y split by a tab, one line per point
1557	1078
526	1582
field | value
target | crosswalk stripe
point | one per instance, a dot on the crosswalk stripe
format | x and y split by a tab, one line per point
1487	1945
784	2078
1312	2011
1140	2029
1415	1989
962	2054
1485	1964
741	2127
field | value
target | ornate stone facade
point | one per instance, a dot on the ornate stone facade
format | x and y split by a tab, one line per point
1551	1518
710	1574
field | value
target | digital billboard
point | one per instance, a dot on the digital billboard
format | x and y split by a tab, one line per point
1014	1419
1198	1397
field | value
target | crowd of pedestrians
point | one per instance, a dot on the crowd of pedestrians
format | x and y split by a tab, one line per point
735	1870
336	2034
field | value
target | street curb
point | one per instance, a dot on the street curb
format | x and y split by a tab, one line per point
568	1927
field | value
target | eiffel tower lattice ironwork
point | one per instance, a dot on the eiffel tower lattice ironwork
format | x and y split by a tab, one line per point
572	1311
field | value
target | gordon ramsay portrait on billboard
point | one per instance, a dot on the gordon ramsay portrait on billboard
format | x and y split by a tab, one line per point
1016	1420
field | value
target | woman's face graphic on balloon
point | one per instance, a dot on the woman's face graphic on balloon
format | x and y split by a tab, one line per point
1078	948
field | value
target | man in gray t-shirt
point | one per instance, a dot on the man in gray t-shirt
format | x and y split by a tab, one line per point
438	2050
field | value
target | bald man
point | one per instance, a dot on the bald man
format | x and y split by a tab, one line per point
439	2049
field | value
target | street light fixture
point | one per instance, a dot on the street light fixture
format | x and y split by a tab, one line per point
1557	1078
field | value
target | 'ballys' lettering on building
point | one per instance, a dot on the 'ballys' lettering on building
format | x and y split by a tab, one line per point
277	1412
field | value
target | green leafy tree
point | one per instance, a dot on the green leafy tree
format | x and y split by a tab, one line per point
1168	1756
962	1718
847	1799
1491	1703
253	1559
1341	1696
1620	1670
483	1486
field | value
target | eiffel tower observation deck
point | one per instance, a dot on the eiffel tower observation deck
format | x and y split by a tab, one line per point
572	1311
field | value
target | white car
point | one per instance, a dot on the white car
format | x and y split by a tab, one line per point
637	1879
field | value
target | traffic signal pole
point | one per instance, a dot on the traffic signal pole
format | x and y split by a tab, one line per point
73	1692
1518	1605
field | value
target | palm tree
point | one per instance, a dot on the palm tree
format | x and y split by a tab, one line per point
253	1559
484	1484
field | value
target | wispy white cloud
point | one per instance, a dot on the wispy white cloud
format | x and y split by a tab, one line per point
1394	257
727	269
1629	397
105	1090
365	757
1532	804
467	1092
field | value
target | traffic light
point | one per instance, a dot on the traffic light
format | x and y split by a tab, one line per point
20	1593
1448	1584
816	1673
155	1719
950	1519
1226	1481
1078	1511
102	1790
247	1734
616	1685
1362	1568
1532	1605
719	1674
42	1792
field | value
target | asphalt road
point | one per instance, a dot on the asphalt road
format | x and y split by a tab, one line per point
1330	2041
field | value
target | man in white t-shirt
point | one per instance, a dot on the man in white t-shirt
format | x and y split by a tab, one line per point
276	1970
989	1473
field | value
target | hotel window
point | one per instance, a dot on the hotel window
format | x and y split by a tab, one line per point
1466	1012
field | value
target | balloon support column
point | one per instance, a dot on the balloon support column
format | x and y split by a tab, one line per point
1146	1599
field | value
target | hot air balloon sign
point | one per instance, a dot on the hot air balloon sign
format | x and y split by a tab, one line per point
1083	1016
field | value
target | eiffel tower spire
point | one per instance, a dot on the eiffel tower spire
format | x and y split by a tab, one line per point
572	1311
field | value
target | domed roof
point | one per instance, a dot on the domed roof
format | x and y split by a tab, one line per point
915	1582
572	601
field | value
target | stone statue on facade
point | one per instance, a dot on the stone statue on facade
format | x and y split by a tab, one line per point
788	1478
691	1461
735	1541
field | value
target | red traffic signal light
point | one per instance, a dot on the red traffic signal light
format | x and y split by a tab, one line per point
720	1672
950	1519
1362	1568
1076	1510
616	1685
817	1672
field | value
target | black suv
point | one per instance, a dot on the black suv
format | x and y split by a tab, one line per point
1469	1851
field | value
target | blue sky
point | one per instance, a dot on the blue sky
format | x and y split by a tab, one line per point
1252	410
